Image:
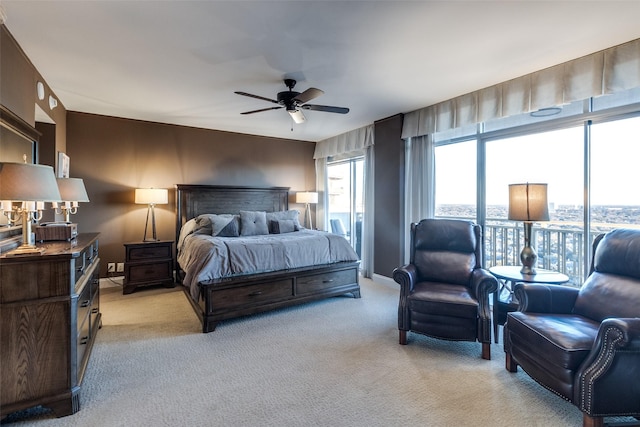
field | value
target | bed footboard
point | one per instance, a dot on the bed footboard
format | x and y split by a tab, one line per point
231	298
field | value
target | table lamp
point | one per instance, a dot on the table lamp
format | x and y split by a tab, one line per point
72	191
528	203
32	185
151	197
307	197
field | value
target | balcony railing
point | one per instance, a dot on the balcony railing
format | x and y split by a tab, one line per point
558	249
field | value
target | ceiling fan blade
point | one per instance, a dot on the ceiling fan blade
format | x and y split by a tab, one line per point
262	109
326	108
257	97
308	95
297	116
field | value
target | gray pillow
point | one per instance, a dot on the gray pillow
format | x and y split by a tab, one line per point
253	223
220	225
283	226
283	215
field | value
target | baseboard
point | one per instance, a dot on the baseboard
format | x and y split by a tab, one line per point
111	282
387	281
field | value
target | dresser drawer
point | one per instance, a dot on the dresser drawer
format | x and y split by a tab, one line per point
84	304
315	283
149	271
248	295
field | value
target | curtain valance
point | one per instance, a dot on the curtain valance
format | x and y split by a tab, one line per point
601	73
352	141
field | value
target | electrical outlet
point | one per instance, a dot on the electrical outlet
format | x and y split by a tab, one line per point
120	268
111	267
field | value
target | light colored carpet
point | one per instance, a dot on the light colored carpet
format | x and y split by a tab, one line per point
335	362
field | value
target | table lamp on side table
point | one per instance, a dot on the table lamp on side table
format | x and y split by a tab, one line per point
528	203
307	197
151	197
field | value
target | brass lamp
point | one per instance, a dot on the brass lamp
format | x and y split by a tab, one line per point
72	191
151	197
32	185
307	197
528	203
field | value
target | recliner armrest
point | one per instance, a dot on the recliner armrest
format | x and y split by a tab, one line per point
483	283
606	379
406	276
543	298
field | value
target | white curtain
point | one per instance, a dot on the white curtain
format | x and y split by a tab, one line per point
419	194
322	215
601	73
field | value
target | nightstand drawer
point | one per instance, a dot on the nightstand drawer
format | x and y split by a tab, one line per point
149	251
149	272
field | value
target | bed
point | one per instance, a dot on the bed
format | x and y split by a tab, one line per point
259	284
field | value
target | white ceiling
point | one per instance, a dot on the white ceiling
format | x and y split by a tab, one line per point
181	61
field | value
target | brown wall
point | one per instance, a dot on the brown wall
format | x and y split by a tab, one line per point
388	241
114	156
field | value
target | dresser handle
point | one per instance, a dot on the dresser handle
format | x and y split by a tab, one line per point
94	310
84	340
85	303
255	294
327	281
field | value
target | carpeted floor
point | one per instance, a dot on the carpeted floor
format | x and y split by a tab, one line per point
335	362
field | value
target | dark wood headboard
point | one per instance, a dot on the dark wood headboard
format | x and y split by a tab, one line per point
194	200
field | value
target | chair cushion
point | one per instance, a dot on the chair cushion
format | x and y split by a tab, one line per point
446	250
608	295
562	340
443	299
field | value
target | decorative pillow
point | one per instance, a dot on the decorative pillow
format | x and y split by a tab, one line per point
283	215
283	226
188	228
253	223
222	225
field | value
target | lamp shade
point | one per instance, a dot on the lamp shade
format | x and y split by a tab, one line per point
307	197
152	196
528	202
28	183
72	190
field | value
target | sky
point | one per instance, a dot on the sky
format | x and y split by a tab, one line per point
552	157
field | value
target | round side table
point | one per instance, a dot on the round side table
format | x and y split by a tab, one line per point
508	275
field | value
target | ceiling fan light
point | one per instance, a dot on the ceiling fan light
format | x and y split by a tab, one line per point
297	115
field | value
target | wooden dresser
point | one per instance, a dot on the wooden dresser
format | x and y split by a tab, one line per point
49	317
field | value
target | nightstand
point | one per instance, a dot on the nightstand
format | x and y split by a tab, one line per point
147	264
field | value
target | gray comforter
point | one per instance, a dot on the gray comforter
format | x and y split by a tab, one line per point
204	258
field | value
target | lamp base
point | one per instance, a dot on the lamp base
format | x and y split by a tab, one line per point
528	256
25	250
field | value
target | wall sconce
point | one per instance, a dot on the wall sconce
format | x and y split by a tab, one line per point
72	191
53	103
32	185
307	197
528	203
151	197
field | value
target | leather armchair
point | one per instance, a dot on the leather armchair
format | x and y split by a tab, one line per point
584	344
444	291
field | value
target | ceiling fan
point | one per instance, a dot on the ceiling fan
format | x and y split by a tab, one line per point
295	102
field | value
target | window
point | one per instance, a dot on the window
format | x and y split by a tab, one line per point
346	208
455	180
585	156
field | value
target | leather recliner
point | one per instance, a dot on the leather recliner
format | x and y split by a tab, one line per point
584	343
444	291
